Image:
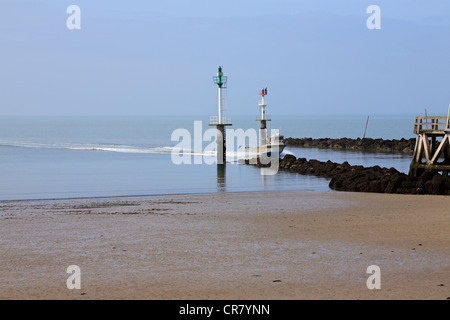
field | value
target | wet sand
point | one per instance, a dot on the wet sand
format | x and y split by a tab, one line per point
248	245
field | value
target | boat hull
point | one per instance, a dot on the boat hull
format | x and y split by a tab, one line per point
267	150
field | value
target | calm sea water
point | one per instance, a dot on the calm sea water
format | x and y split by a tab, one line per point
61	157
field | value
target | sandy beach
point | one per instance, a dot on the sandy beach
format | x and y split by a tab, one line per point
247	245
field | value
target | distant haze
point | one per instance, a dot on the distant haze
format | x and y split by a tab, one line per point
158	57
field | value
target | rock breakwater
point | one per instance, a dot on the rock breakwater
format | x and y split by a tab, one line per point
405	146
345	177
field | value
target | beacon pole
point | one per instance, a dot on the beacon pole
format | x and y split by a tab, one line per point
220	122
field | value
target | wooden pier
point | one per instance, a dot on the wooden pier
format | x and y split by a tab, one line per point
432	149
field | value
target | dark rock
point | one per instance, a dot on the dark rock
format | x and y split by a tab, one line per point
436	185
395	181
344	177
405	146
374	186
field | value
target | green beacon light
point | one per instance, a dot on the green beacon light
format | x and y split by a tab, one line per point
220	79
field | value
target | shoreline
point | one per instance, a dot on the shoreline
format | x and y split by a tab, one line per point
291	245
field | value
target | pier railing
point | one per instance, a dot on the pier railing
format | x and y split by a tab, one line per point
432	150
431	125
214	120
267	117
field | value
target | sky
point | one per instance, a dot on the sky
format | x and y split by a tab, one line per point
158	57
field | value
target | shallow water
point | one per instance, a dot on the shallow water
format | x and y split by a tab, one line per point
61	157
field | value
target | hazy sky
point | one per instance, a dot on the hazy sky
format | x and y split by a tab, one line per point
158	57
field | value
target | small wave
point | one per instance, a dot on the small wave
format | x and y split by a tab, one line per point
87	147
104	148
287	151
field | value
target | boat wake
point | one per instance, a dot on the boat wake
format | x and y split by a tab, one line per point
86	147
105	147
231	156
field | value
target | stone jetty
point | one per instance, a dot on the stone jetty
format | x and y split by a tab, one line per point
404	146
345	177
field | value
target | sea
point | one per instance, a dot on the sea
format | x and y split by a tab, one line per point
53	157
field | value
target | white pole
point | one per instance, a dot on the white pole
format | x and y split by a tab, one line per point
263	132
220	105
263	109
